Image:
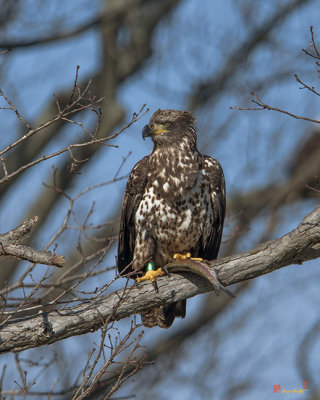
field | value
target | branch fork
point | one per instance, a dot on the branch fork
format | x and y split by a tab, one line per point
9	246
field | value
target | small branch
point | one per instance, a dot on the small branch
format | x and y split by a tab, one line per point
20	231
93	141
14	109
305	86
313	46
10	247
263	106
69	109
29	254
297	247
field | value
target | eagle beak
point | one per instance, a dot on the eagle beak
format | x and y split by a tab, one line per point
155	130
146	132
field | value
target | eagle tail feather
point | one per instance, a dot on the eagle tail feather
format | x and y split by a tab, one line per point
164	316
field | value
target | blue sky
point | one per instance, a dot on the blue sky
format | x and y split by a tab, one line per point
191	45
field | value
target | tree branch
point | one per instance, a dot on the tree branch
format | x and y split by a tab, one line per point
298	246
9	246
263	106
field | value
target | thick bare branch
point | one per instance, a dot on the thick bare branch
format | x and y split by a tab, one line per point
29	254
295	247
9	246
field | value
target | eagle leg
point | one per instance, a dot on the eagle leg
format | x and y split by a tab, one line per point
187	256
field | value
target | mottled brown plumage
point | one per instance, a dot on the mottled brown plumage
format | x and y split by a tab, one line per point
174	203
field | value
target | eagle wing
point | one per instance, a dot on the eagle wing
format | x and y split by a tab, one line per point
131	200
210	241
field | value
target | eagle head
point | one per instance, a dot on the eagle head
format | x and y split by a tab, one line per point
168	127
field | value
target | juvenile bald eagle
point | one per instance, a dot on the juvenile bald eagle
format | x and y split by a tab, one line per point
174	202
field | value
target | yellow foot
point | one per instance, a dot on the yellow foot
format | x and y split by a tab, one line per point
186	256
151	275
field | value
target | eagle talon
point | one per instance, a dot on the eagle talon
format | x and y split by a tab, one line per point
166	271
155	285
151	276
187	256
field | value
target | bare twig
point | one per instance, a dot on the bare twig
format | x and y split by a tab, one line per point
61	116
69	109
14	109
263	106
313	46
305	86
